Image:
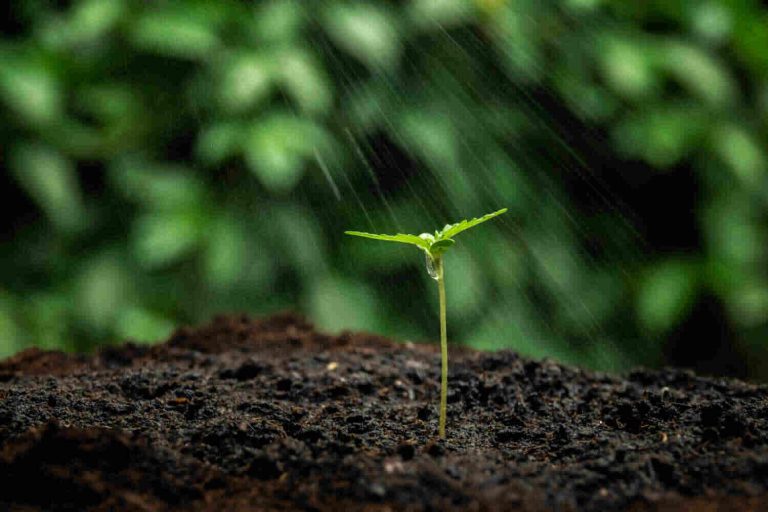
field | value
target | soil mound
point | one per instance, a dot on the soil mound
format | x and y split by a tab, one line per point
269	414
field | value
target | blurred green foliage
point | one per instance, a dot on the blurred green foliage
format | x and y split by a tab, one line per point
169	160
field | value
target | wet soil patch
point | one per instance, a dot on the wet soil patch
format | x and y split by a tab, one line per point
269	414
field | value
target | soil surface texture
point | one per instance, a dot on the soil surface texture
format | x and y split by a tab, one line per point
269	414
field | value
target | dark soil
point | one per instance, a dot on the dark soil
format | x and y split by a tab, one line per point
270	415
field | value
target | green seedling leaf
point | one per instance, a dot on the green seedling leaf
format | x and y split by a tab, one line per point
401	238
434	246
440	246
451	230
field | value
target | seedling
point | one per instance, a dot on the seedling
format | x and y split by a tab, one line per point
434	247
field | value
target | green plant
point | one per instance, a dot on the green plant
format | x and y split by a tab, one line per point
434	247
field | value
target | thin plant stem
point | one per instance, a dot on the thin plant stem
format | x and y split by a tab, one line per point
443	348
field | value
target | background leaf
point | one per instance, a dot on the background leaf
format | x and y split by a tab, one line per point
666	294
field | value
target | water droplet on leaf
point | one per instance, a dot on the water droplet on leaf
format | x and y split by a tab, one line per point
431	270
